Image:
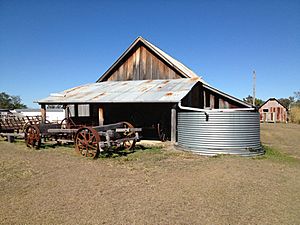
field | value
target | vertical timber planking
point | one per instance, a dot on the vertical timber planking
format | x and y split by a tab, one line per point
129	62
143	65
136	67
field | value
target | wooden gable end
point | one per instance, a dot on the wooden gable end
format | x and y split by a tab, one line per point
142	64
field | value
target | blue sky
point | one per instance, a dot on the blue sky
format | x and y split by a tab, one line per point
49	46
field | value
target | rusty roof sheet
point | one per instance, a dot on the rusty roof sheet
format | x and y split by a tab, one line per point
125	92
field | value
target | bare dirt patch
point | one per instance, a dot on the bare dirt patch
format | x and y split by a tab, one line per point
150	186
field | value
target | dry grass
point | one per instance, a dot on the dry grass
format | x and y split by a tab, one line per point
150	186
282	137
295	115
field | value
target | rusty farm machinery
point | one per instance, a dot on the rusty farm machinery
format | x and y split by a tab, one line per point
89	141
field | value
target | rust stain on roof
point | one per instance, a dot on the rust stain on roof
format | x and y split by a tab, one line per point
73	89
143	89
126	91
97	96
71	95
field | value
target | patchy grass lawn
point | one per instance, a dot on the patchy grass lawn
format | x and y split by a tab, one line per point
283	137
156	185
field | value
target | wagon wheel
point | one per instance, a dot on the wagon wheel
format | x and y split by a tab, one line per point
129	144
25	126
67	123
87	142
32	136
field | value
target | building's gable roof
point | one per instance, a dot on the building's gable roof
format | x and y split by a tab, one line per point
273	99
170	61
128	91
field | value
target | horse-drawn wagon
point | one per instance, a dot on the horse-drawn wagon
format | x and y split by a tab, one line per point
89	141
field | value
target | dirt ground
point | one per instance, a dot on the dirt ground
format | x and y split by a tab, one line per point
150	186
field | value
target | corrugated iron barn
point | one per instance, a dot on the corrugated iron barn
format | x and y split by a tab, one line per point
145	87
273	111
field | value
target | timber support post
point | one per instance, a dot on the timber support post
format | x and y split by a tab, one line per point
76	110
101	116
43	112
67	111
173	126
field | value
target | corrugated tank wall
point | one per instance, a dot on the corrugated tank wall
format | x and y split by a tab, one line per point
236	132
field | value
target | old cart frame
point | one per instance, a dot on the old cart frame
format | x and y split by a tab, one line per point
89	141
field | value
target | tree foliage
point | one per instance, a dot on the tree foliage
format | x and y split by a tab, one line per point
291	101
10	101
286	101
297	96
249	100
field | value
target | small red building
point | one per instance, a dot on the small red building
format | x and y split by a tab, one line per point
273	111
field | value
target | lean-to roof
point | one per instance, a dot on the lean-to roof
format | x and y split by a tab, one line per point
137	91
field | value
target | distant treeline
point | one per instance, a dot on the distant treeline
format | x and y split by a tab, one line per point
11	101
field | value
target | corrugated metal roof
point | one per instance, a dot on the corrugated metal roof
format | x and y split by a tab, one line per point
185	71
125	92
37	110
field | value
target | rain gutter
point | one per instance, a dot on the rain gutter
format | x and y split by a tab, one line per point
213	110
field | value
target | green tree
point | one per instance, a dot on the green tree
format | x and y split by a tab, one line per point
297	96
249	100
286	101
10	101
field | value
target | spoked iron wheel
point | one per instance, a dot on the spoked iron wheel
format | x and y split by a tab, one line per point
129	144
67	123
32	136
25	126
87	142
